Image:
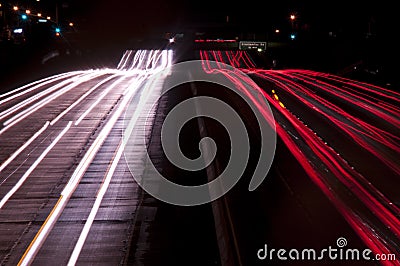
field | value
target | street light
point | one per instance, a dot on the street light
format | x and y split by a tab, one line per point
48	18
28	11
71	24
39	14
15	8
292	19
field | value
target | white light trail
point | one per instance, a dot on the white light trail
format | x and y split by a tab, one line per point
98	99
35	97
33	167
23	147
123	59
20	116
138	63
81	169
82	98
150	59
86	229
69	189
136	59
40	83
170	57
145	94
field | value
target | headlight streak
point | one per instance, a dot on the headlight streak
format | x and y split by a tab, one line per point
22	115
35	85
73	182
23	147
37	96
89	156
124	59
82	98
92	215
99	99
382	207
33	167
145	61
165	57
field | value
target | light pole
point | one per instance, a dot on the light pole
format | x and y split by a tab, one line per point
56	13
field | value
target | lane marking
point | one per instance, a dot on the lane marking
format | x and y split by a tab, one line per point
33	166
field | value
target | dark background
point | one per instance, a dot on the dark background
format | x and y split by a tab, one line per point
332	36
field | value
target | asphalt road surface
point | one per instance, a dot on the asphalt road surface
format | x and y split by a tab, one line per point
68	196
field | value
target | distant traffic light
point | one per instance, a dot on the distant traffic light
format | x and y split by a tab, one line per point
58	31
24	17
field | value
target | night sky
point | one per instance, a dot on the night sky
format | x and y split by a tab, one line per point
134	18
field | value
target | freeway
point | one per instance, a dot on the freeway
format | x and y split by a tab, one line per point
68	195
345	136
64	185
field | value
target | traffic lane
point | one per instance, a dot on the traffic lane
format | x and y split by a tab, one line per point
31	160
35	89
375	105
23	130
109	238
40	193
26	107
15	169
362	206
30	139
167	234
71	222
102	151
74	146
103	120
265	216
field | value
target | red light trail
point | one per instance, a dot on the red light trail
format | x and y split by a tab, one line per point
320	161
